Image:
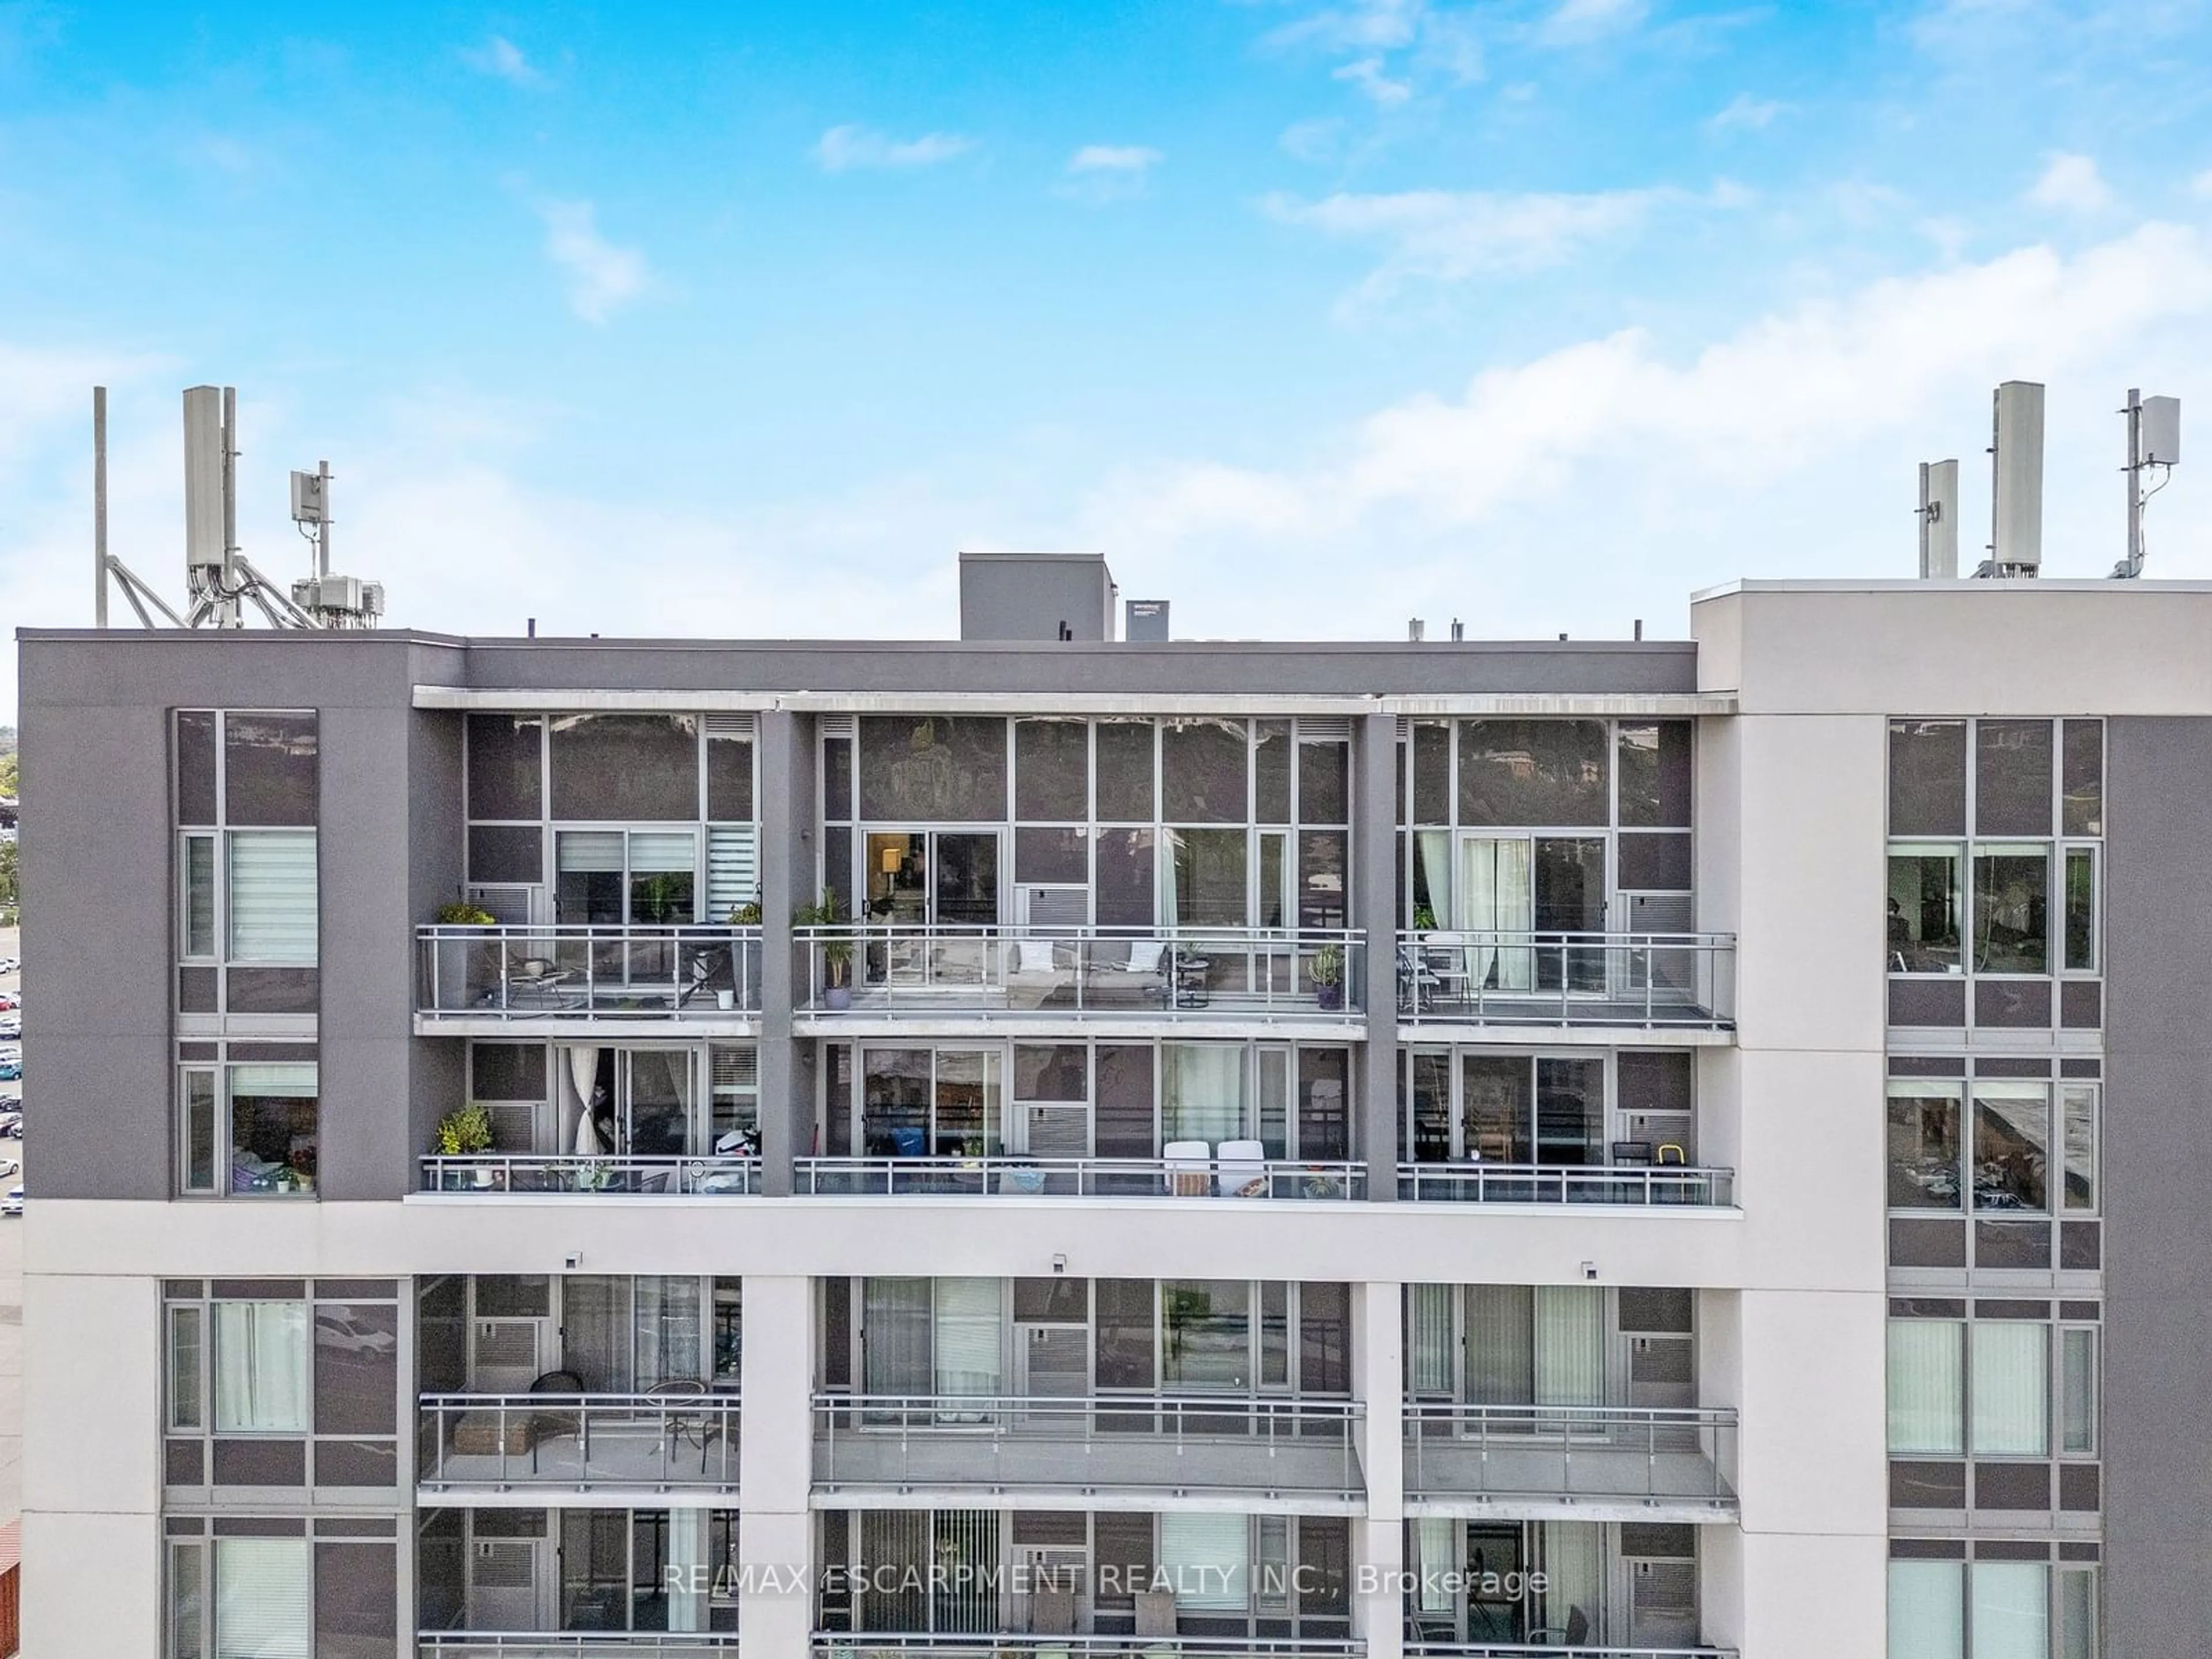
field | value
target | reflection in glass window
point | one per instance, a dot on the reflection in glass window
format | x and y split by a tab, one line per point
271	773
1052	770
1533	772
633	768
1925	890
1927	777
1655	776
1202	771
2078	1103
2083	778
1206	1329
1923	1146
2011	777
2012	1143
930	770
2011	893
2081	918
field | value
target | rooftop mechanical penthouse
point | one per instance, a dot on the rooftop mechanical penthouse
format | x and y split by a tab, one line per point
1047	1145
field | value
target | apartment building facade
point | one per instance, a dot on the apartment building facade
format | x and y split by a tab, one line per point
1038	1144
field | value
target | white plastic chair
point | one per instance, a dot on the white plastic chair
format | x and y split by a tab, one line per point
1189	1168
1242	1169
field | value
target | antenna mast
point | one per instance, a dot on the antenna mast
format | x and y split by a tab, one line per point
2154	440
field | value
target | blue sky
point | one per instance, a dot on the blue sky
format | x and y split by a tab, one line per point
743	319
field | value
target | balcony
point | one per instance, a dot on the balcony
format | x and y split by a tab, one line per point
1580	1651
676	1436
483	979
858	975
538	1173
571	1644
1636	1185
1579	1462
1683	982
1196	1176
927	1449
839	1645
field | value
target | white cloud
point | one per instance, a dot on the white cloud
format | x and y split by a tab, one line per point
2071	183
1579	22
1745	113
2201	185
1450	236
1312	140
502	59
1766	451
602	277
1366	74
1114	158
1363	26
842	149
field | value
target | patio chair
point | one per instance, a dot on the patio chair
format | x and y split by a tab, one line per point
1156	1613
1189	1171
1632	1154
535	982
544	1425
1241	1170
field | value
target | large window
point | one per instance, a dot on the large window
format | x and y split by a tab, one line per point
281	1385
1942	1607
250	1128
2015	1145
1991	1388
247	787
1995	865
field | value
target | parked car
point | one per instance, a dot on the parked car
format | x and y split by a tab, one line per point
11	1071
13	1204
11	1002
12	1128
9	964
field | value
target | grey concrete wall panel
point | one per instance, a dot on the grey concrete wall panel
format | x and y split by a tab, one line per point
2158	1170
96	880
787	816
1030	596
1375	901
437	866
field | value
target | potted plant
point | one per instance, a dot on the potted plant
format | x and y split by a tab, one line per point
1424	919
464	970
1327	972
464	1130
836	951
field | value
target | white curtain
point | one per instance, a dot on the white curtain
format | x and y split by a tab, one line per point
583	1075
261	1598
1574	1575
1170	845
1428	1339
2009	1370
966	1332
1433	1563
1495	895
1434	848
1570	1344
2011	1610
261	1367
1208	1560
1927	1600
690	1576
273	896
895	1336
1926	1380
1203	1094
1500	1367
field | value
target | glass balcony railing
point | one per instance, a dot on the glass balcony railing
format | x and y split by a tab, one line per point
572	1644
1312	975
587	972
601	1177
863	1645
1538	1651
1197	1174
1621	980
1575	1453
676	1435
1183	1443
1641	1185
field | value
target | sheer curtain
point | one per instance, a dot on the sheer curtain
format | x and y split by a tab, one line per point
895	1336
967	1336
261	1367
1495	895
583	1077
595	1331
1434	848
1926	1381
687	1577
1574	1575
1927	1605
1500	1363
1570	1344
2010	1373
665	1325
1428	1339
1203	1096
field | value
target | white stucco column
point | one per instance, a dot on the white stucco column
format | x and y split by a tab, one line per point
775	1541
1379	1549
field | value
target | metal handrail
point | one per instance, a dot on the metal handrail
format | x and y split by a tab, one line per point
1492	976
986	1425
868	1644
1616	1435
1477	1181
1580	1651
575	970
1314	974
603	1176
1021	1175
571	1644
694	1438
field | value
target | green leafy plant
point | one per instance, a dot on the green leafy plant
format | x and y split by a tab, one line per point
463	1131
1328	965
1425	919
460	915
836	948
746	915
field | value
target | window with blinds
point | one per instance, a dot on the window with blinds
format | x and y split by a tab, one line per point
261	1598
273	897
1927	1374
967	1330
1207	1558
